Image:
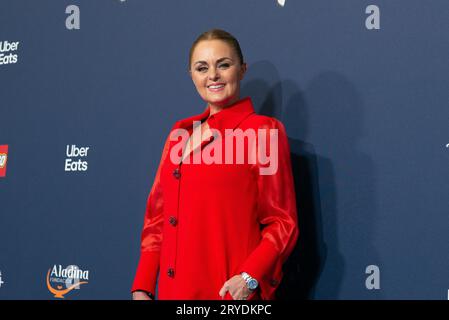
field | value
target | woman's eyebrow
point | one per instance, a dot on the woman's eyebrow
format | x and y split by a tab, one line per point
218	61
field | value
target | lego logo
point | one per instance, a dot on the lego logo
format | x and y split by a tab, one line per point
2	160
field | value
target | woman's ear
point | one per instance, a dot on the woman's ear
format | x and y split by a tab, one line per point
243	69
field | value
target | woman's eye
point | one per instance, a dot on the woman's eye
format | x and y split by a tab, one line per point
201	69
226	65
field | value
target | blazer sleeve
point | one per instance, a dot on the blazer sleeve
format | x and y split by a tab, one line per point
151	236
277	216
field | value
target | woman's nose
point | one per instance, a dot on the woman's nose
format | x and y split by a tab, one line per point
214	74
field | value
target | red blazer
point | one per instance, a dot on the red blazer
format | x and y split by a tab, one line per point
205	223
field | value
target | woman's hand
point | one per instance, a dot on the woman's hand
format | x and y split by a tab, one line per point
237	288
141	295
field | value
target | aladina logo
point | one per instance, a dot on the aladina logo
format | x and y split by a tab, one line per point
7	55
75	155
65	280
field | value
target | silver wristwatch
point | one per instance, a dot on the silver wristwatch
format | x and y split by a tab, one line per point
251	283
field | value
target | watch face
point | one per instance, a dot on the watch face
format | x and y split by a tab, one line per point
252	284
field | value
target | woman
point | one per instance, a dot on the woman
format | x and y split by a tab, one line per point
220	227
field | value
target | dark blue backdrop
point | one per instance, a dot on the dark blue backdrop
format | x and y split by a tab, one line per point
366	112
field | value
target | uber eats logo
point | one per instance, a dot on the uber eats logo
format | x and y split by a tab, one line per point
8	52
76	158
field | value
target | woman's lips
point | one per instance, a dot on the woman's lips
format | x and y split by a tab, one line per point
216	88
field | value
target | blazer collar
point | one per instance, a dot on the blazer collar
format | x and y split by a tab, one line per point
228	118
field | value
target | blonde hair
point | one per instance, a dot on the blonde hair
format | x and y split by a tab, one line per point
218	34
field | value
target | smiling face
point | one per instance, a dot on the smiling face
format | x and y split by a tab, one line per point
216	72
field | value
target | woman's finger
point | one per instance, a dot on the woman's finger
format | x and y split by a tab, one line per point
223	290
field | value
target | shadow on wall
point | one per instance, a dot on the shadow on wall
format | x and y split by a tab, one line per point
347	178
303	268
